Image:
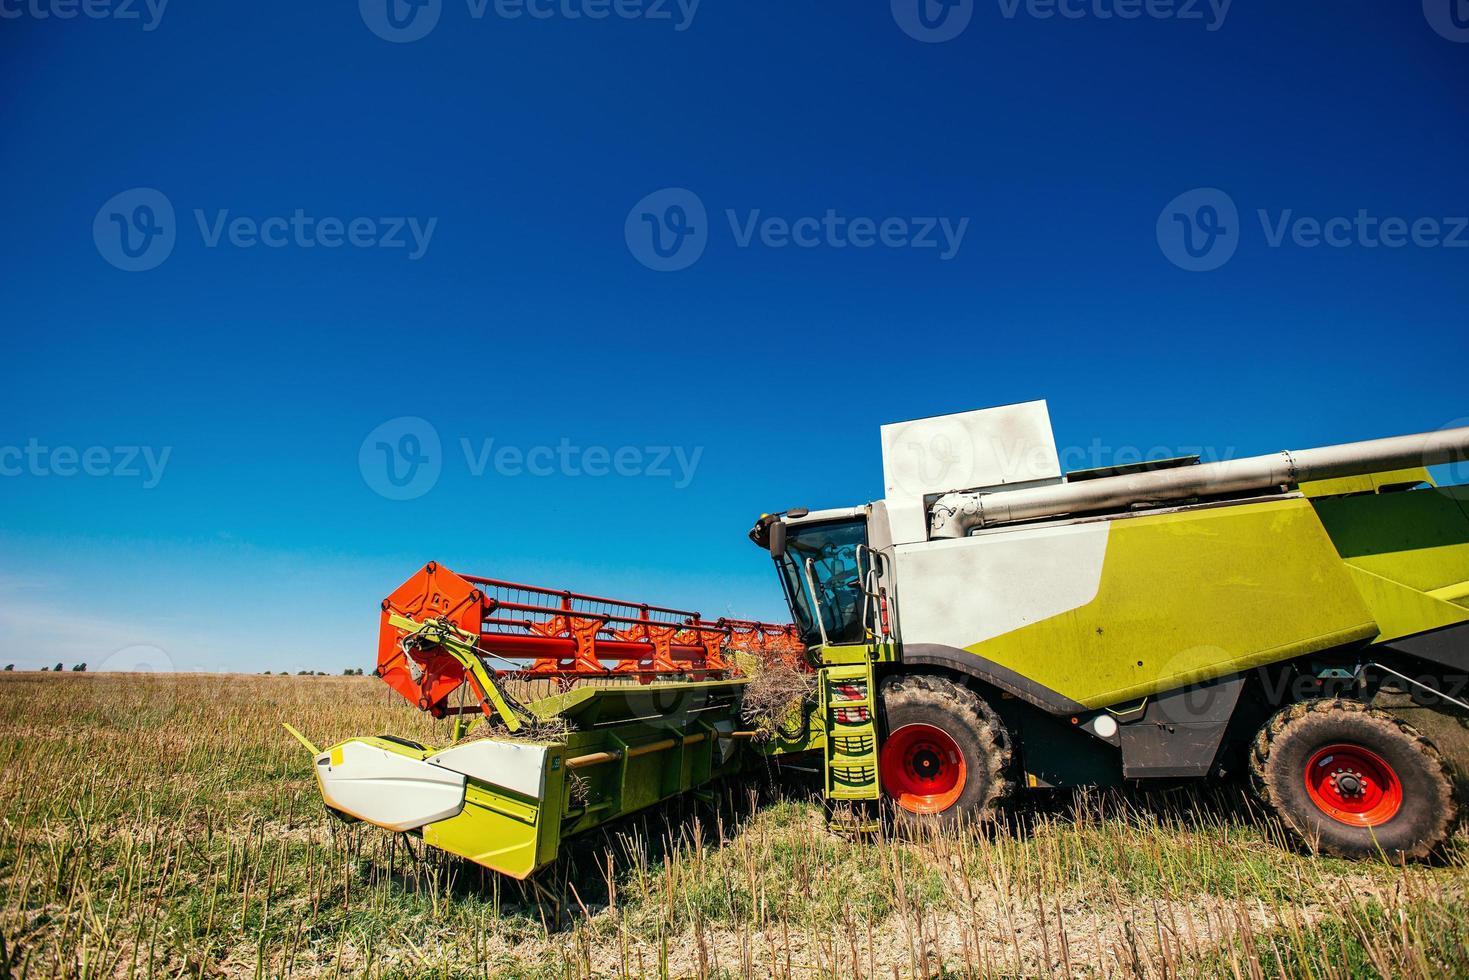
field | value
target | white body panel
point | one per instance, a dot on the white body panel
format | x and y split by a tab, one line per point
520	768
968	590
387	789
1011	446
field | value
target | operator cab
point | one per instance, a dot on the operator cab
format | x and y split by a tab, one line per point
823	560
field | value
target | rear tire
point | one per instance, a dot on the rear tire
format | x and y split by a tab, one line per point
945	755
1353	781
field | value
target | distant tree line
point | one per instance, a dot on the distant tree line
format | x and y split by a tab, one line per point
349	672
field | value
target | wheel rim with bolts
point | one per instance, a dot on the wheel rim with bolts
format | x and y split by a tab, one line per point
922	768
1353	785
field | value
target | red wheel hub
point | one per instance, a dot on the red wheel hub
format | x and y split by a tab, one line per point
1353	785
922	768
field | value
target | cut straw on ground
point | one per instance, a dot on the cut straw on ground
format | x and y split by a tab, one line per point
169	827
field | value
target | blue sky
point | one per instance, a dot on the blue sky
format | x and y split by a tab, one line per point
448	229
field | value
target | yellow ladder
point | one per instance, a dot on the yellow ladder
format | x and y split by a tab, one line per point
849	710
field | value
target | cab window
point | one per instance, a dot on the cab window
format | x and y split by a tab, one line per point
831	548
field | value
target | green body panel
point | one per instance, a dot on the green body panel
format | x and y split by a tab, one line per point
1401	610
1408	554
498	829
1368	482
385	744
875	651
516	835
1191	595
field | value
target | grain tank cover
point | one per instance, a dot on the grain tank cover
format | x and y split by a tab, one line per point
990	449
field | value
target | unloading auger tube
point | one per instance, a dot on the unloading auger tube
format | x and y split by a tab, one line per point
957	513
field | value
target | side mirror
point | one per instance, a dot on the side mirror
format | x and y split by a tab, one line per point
777	539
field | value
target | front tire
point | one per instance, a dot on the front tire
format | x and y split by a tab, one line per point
945	754
1353	781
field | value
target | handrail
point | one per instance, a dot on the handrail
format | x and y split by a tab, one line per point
815	601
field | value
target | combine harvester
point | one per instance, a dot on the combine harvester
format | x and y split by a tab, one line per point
992	624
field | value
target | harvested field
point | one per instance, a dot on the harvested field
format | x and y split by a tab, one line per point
165	825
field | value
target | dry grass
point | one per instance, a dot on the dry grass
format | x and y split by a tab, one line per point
775	696
167	826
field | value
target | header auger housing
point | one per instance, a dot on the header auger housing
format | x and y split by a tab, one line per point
438	625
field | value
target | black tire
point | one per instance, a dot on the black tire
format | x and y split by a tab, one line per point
1290	752
977	733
